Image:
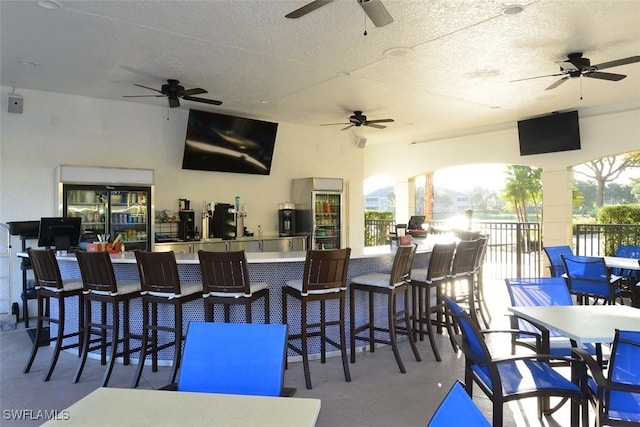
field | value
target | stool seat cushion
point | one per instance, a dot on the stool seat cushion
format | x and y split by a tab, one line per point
67	285
380	280
185	288
124	287
297	285
254	287
420	274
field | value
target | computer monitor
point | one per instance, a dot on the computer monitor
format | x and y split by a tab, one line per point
61	233
415	222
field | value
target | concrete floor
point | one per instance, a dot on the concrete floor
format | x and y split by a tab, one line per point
379	395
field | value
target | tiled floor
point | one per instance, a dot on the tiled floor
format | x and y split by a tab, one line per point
379	395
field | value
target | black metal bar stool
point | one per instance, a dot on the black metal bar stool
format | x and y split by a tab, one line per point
100	286
390	285
49	284
324	279
161	286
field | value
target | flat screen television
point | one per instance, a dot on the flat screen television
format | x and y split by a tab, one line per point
221	143
549	134
61	233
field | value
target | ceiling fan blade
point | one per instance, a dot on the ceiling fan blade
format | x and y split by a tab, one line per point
203	100
376	11
194	91
605	76
147	87
373	125
174	102
618	62
558	83
333	124
537	77
378	121
350	126
142	96
307	8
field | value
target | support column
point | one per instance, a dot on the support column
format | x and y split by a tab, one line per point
557	221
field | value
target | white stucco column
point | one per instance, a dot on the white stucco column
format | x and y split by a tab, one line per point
405	199
557	186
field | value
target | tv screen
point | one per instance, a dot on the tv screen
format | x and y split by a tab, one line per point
217	142
549	134
61	233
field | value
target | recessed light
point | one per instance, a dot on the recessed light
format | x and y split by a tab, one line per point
514	9
396	52
343	73
49	4
264	101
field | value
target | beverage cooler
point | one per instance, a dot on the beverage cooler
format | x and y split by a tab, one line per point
111	210
319	211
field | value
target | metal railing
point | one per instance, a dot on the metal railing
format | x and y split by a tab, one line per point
513	249
604	239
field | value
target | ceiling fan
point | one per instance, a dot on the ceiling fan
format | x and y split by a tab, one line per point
578	66
374	9
174	91
358	119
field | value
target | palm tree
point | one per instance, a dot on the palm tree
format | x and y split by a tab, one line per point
523	189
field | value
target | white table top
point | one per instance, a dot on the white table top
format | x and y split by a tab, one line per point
583	323
135	407
624	263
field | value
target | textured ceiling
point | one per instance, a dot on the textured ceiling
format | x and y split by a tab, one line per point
455	79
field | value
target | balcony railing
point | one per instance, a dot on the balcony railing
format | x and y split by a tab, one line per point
604	239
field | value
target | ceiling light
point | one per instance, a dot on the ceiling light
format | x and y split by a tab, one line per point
512	10
49	4
396	52
343	73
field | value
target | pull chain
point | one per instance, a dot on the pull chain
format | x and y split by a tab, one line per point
365	24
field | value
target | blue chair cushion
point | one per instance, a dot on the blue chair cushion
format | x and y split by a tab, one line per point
457	407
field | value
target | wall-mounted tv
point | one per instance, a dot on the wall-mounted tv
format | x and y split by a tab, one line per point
217	142
549	134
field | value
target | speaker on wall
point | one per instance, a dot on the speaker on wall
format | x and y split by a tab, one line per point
361	141
16	103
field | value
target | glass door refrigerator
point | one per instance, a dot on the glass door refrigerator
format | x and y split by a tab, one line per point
319	207
112	210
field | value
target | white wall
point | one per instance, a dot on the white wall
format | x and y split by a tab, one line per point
59	129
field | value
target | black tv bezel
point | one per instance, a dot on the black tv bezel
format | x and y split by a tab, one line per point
535	135
46	237
226	159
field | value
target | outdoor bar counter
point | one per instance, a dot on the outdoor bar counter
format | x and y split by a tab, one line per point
274	268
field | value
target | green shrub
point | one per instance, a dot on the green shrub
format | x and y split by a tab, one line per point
619	214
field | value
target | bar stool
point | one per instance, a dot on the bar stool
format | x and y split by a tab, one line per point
161	286
427	288
324	279
225	280
389	285
100	286
461	285
49	284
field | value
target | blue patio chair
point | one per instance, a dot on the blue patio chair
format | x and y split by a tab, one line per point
234	358
630	277
455	407
505	379
554	253
542	291
588	277
616	396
